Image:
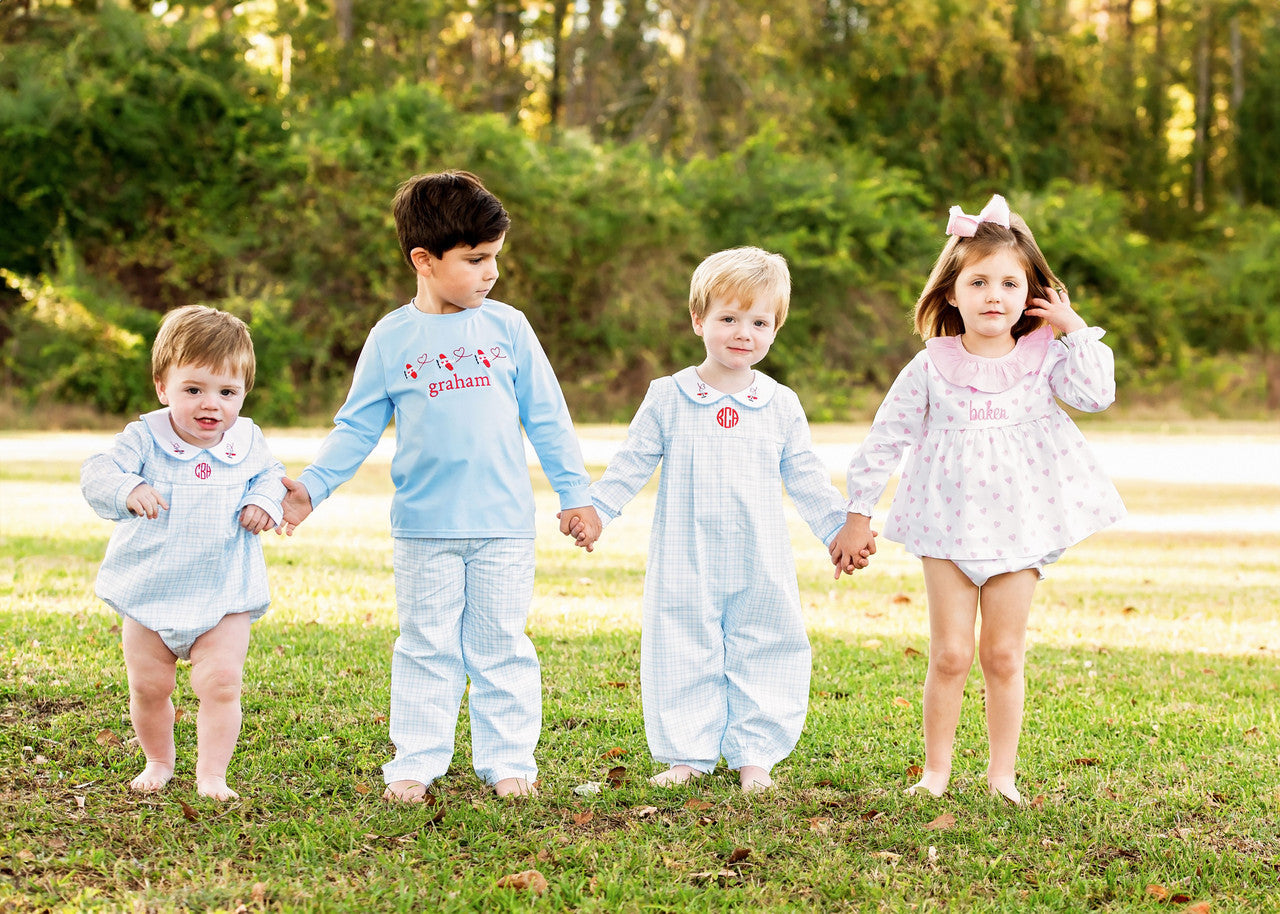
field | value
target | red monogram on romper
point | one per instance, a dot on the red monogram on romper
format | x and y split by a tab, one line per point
203	470
727	417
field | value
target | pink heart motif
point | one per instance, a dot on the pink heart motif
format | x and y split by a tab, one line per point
460	352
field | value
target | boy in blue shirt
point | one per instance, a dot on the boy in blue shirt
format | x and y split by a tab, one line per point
461	374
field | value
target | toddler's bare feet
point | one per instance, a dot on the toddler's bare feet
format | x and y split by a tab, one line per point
407	791
215	788
514	787
753	779
676	774
1003	786
152	778
933	782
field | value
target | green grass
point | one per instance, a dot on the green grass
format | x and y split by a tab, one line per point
1151	749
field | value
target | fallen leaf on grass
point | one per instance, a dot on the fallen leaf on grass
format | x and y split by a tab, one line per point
1252	731
178	714
588	789
1200	907
942	823
614	752
617	685
645	812
739	854
714	874
900	598
1038	801
820	824
697	805
616	776
1086	761
582	818
529	880
901	702
888	855
914	773
187	812
79	801
108	738
704	821
362	788
910	652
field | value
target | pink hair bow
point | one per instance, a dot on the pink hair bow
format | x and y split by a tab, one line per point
996	210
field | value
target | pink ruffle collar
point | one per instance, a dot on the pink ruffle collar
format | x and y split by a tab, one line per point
961	367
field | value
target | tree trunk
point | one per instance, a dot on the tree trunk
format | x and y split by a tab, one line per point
555	93
1204	111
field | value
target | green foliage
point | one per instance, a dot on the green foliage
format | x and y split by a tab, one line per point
68	343
179	173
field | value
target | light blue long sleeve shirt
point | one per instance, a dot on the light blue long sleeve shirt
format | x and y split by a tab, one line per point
460	387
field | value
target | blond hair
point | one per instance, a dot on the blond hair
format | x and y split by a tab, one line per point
205	337
934	314
746	275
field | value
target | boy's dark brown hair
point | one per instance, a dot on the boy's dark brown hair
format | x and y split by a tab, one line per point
438	212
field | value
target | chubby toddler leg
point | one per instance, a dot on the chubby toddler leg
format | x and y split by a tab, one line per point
151	667
217	669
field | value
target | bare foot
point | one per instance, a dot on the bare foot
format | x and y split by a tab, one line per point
1003	786
676	774
515	787
754	779
408	791
215	789
152	778
933	783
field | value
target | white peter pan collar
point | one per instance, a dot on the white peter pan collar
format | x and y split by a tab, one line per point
759	393
232	449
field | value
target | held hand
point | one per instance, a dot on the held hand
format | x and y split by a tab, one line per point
583	524
296	506
1056	309
853	545
255	520
145	501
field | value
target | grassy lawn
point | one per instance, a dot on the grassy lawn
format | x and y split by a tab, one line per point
1150	754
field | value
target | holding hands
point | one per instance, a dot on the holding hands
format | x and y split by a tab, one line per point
583	524
296	506
1056	309
853	545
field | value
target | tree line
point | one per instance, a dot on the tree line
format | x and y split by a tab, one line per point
244	156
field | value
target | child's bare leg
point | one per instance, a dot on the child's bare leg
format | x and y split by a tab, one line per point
405	791
514	787
953	605
217	668
753	778
151	668
676	774
1006	603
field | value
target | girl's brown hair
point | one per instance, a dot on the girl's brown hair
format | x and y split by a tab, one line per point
936	316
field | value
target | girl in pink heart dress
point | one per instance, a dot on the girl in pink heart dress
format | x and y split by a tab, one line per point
998	481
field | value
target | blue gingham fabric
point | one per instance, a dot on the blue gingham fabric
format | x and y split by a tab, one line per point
462	606
724	658
181	572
